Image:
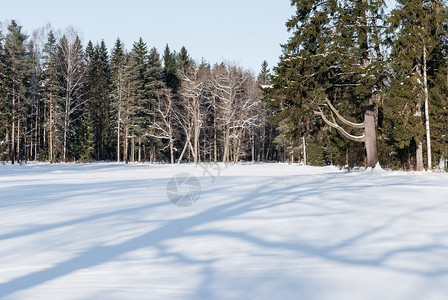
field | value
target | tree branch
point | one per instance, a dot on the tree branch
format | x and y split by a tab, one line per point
340	129
343	120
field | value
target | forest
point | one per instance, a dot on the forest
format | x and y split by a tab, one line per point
362	84
62	102
355	85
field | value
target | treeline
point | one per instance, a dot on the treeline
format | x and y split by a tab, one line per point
61	101
361	86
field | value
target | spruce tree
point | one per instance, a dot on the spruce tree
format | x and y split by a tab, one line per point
138	99
334	59
98	108
103	108
118	92
183	59
154	86
169	68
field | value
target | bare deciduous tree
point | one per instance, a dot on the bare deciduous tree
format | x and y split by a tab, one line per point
72	67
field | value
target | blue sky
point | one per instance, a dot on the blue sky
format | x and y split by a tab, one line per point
244	31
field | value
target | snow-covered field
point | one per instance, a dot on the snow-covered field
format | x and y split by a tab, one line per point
263	231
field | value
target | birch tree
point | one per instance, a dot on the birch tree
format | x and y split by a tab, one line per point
72	68
193	87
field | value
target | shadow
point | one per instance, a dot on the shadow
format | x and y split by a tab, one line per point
253	199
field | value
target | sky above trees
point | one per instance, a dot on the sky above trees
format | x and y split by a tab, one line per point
247	31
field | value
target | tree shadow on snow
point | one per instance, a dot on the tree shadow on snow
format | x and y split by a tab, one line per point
254	199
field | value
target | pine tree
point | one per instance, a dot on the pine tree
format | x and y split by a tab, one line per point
17	61
34	93
5	109
51	90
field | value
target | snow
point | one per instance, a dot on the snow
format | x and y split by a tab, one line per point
256	231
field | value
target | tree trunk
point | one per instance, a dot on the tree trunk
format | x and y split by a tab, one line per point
118	132
183	152
171	151
67	104
133	150
370	137
238	147
18	128
253	147
419	155
126	140
36	134
51	126
154	153
139	150
13	129
226	145
419	151
196	131
428	130
215	150
304	150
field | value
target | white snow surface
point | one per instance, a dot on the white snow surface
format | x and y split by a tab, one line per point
257	231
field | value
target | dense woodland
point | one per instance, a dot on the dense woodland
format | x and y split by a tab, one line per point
353	87
362	86
64	102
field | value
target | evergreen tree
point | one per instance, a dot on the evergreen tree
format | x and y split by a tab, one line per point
334	56
183	59
438	96
17	70
264	76
154	86
138	100
34	93
118	92
51	90
169	68
98	106
5	109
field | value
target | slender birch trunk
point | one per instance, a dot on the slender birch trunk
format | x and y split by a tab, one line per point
304	150
13	129
18	128
428	130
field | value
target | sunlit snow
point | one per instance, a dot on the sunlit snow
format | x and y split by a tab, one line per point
256	231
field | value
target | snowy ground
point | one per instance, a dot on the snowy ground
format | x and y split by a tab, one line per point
268	231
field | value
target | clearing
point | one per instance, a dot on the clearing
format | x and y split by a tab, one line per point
256	231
